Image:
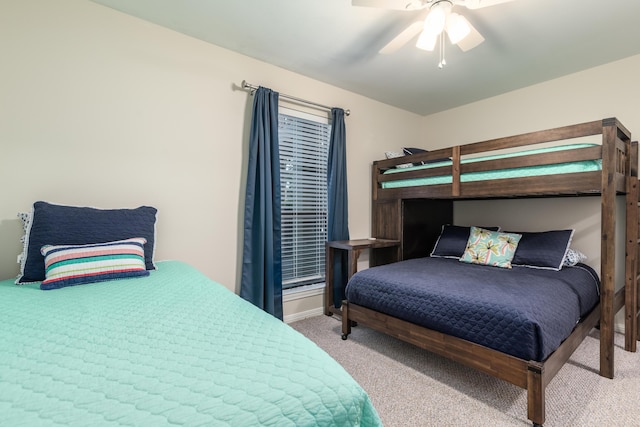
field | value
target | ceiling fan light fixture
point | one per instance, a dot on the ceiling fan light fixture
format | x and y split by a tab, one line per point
436	20
457	28
439	18
427	41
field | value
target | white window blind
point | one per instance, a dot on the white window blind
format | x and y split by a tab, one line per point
304	148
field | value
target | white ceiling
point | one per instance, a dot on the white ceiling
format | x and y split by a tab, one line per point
527	42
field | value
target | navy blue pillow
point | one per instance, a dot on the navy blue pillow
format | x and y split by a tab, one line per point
453	241
545	249
409	151
72	225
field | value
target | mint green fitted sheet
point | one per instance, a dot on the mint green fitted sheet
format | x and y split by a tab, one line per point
173	348
559	168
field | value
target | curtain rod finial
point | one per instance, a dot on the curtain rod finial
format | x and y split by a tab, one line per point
248	86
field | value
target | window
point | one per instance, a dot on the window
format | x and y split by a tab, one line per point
304	149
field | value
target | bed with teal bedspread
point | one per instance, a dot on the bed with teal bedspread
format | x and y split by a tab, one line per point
171	348
558	168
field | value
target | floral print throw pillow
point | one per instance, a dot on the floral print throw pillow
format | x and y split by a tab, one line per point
490	247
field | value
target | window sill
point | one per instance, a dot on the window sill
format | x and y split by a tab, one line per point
301	292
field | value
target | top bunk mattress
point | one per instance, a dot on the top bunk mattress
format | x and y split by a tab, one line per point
524	312
173	348
558	168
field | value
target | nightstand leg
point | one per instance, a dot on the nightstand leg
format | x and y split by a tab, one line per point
353	262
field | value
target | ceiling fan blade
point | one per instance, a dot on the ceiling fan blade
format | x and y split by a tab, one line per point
473	39
477	4
383	4
403	38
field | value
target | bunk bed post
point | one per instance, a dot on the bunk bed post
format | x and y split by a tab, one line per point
346	322
632	249
455	171
608	218
536	393
375	171
631	265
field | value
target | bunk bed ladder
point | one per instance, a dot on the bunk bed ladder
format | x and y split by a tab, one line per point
632	267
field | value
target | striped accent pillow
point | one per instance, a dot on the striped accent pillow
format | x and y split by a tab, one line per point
68	265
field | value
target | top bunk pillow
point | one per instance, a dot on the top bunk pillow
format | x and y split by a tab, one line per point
545	249
396	154
453	241
71	225
411	150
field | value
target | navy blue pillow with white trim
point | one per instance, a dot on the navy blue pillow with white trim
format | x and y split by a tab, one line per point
545	249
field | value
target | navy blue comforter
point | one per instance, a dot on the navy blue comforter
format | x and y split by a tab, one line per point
521	311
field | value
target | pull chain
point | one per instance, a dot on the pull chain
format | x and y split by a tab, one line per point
443	61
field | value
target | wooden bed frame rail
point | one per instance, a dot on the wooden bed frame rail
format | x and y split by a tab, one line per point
531	375
619	175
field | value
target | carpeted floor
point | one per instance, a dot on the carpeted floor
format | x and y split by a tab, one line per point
412	387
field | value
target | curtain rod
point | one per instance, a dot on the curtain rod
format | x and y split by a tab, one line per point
253	88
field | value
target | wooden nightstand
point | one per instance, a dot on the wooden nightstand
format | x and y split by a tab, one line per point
353	248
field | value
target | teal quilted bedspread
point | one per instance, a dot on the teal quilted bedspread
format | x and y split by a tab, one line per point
174	348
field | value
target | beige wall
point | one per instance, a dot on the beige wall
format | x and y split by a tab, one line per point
101	109
611	90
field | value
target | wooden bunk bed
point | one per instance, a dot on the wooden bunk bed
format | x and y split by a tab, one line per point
394	216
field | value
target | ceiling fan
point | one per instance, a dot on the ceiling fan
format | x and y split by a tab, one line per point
439	19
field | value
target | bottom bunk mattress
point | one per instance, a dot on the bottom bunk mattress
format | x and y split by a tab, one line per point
172	348
524	312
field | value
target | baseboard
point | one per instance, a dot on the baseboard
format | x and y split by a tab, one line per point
303	315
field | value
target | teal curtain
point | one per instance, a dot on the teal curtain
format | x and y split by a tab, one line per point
261	282
337	220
